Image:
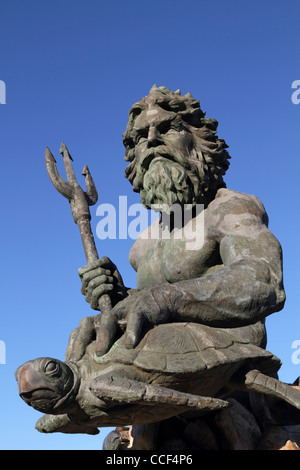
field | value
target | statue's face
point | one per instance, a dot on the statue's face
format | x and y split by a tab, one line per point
163	146
174	153
160	133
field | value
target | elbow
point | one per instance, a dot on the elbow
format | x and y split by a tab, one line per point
272	300
268	285
280	297
260	298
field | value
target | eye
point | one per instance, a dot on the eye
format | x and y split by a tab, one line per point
164	127
141	136
51	366
167	127
176	126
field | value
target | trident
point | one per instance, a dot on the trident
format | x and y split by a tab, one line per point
79	202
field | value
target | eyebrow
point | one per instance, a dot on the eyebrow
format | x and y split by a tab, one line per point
137	108
164	120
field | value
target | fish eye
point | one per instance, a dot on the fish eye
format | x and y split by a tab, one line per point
50	366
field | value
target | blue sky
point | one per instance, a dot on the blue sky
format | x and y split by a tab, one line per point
72	69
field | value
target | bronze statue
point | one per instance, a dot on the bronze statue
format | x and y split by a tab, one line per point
208	299
234	280
148	383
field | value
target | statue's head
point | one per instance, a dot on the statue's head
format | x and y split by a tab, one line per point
44	383
174	153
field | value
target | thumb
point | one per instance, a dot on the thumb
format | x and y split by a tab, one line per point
79	339
133	330
105	332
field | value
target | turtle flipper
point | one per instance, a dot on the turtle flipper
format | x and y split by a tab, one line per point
258	382
62	423
122	390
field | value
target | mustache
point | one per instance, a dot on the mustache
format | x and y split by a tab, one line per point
161	151
136	170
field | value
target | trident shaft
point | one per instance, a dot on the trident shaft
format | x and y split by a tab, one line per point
79	202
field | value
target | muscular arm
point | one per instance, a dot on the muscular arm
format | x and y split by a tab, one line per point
249	286
246	289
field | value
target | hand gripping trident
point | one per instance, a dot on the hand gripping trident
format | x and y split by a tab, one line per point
79	201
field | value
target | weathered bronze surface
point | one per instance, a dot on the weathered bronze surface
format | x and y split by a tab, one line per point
194	329
231	278
174	369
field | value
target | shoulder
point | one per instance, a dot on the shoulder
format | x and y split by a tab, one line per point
232	210
227	200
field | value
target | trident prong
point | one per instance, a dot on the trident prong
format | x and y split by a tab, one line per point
79	203
68	165
91	193
58	182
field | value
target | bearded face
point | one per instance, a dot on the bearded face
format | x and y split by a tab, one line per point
167	155
163	171
165	183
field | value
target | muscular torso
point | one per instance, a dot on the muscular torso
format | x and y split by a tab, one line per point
175	256
168	261
159	261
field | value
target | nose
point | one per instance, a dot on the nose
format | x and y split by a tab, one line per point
154	137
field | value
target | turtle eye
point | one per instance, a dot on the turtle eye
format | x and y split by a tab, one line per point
50	366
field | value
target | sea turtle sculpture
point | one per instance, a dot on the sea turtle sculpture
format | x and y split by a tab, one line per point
176	368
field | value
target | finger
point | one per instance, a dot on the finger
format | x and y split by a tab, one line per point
103	262
87	277
97	281
80	338
133	330
97	293
106	262
104	303
93	265
105	332
70	343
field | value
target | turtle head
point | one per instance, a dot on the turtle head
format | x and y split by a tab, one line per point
44	383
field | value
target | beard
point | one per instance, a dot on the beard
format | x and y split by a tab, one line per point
165	176
166	183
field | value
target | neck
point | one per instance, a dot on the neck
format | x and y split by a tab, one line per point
179	217
68	402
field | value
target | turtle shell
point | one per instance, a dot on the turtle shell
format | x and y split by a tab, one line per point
190	348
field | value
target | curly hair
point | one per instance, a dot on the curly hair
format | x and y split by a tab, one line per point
209	157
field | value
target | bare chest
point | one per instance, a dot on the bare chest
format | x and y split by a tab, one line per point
174	258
